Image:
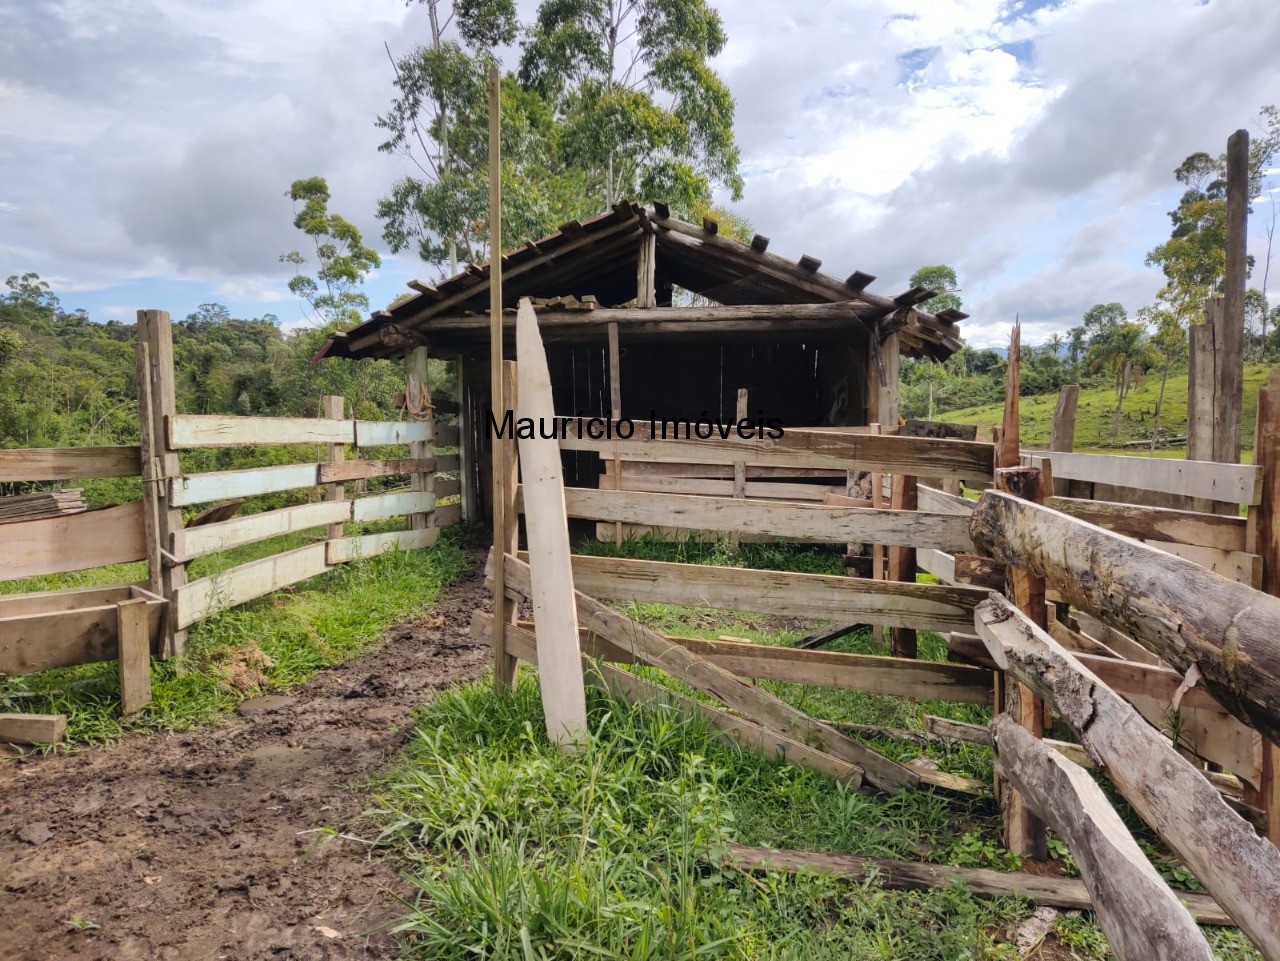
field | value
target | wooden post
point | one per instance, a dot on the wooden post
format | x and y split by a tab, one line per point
334	407
902	562
505	665
134	654
1063	436
155	330
878	570
466	446
739	467
151	484
496	400
646	271
1229	334
884	382
418	390
1263	539
546	525
615	406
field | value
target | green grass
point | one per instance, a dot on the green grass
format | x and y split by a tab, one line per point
271	644
515	850
1097	403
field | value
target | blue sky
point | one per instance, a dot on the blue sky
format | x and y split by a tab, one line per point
148	146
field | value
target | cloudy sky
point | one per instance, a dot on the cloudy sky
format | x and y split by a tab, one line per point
146	145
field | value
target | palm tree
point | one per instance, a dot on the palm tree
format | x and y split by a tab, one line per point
1123	351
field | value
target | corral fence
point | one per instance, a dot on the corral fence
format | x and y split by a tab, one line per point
1146	634
183	516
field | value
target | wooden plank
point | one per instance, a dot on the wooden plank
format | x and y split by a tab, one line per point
1201	365
365	469
1175	608
506	666
1135	908
899	677
939	564
758	705
902	557
371	545
417	384
395	504
818	596
1229	334
42	602
446	435
1063	433
134	646
83	635
380	433
446	515
929	457
32	728
447	487
1238	566
1234	483
68	463
756	490
911	875
239	585
220	485
153	486
736	731
446	462
940	502
74	542
218	430
1240	869
195	542
551	580
1157	523
334	407
813	522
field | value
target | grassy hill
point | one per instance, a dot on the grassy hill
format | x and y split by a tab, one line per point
1093	416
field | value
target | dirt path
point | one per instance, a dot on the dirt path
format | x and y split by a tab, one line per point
204	844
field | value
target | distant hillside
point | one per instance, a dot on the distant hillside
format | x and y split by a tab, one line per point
1093	416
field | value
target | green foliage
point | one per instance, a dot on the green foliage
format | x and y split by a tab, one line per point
942	279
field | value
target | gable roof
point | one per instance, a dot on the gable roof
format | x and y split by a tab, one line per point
599	258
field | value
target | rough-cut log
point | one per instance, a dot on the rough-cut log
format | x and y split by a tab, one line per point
1174	607
1140	916
760	706
911	875
1239	868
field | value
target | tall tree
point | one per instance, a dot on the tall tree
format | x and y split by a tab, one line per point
942	279
644	113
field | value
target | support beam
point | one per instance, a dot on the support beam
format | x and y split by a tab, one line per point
902	562
1140	916
1229	335
1240	869
1175	608
1063	434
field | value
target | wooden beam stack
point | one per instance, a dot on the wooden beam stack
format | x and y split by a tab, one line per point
53	503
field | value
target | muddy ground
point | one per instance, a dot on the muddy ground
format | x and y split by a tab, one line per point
207	844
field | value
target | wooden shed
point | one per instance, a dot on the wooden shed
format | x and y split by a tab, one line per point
645	316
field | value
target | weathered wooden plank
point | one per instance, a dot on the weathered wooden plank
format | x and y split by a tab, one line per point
551	582
41	602
383	433
772	490
1157	523
1240	869
83	635
730	729
134	654
365	469
74	542
1238	566
395	504
1235	483
940	502
371	545
911	875
32	728
446	435
941	565
758	705
220	485
929	457
447	487
194	542
217	430
198	599
68	463
446	462
1137	912
1175	608
812	522
446	515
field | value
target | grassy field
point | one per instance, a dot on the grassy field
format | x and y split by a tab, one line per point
271	644
1094	413
517	851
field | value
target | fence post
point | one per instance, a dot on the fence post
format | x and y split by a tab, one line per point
466	446
418	403
1063	436
902	562
334	407
155	330
505	666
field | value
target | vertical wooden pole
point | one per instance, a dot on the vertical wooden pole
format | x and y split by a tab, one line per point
877	550
615	411
1264	540
466	446
418	389
134	654
886	414
646	271
1063	435
902	562
151	483
1229	335
740	411
156	331
334	407
506	666
503	678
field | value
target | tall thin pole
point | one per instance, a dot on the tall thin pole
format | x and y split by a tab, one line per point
495	376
